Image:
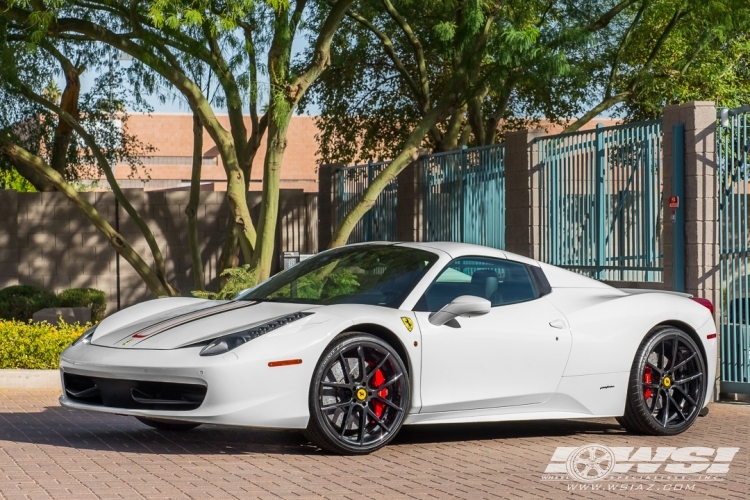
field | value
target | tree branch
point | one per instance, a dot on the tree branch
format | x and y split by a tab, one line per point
614	69
321	52
119	243
299	8
605	104
422	99
109	174
416	46
231	90
607	17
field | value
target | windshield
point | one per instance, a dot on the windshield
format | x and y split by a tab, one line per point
380	275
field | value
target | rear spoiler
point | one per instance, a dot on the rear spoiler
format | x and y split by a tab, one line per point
634	291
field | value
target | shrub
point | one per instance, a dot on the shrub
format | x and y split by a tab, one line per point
84	297
20	302
35	345
237	279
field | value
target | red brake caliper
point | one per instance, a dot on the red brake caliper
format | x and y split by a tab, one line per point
647	392
378	406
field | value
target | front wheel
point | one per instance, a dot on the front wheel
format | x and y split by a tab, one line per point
359	395
667	384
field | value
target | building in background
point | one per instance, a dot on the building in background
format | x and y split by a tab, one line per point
169	166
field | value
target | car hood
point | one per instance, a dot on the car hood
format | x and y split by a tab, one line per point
175	323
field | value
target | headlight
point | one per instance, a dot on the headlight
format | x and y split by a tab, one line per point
234	340
86	337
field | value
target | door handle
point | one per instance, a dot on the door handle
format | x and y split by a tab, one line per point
558	323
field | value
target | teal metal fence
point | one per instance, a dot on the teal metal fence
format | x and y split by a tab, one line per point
463	196
733	148
600	201
379	223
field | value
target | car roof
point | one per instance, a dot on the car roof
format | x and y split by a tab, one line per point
456	250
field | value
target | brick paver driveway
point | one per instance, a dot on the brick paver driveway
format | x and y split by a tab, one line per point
47	451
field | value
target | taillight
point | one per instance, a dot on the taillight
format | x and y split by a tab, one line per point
705	303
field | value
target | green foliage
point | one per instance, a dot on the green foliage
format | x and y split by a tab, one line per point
35	127
175	14
553	60
11	179
237	279
705	58
386	75
35	345
445	30
321	285
85	297
20	302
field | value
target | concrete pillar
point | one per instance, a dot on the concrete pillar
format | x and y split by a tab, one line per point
326	204
522	220
409	202
700	202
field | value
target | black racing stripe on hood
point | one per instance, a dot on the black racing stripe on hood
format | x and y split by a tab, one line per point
182	319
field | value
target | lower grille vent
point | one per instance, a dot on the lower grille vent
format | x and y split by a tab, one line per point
133	394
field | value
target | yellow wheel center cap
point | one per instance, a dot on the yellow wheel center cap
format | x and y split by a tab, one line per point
667	381
361	394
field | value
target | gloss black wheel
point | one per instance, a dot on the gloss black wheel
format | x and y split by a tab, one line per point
667	384
359	395
167	425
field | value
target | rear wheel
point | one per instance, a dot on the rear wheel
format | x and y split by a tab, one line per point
667	384
359	396
167	425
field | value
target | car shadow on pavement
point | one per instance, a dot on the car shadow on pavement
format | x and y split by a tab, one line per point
76	429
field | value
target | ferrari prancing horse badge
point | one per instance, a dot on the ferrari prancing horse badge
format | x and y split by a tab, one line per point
408	323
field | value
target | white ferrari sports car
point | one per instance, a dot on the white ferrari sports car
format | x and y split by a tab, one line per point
355	342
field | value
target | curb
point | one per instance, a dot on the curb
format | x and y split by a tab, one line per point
30	379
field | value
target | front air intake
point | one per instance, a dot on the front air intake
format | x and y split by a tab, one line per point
133	394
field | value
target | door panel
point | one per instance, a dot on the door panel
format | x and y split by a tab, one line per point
510	356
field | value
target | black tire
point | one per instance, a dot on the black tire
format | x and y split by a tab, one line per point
355	411
667	384
167	425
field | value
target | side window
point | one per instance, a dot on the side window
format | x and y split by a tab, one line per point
499	281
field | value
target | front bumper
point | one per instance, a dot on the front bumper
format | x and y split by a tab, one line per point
239	389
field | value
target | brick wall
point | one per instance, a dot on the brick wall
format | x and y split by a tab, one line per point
47	242
172	135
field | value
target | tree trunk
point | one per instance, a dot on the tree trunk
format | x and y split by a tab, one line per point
64	131
269	208
408	154
192	208
229	252
237	198
119	243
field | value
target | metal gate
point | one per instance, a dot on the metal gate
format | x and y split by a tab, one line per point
463	196
378	223
733	145
600	201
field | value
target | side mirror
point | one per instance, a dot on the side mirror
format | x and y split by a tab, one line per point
465	306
